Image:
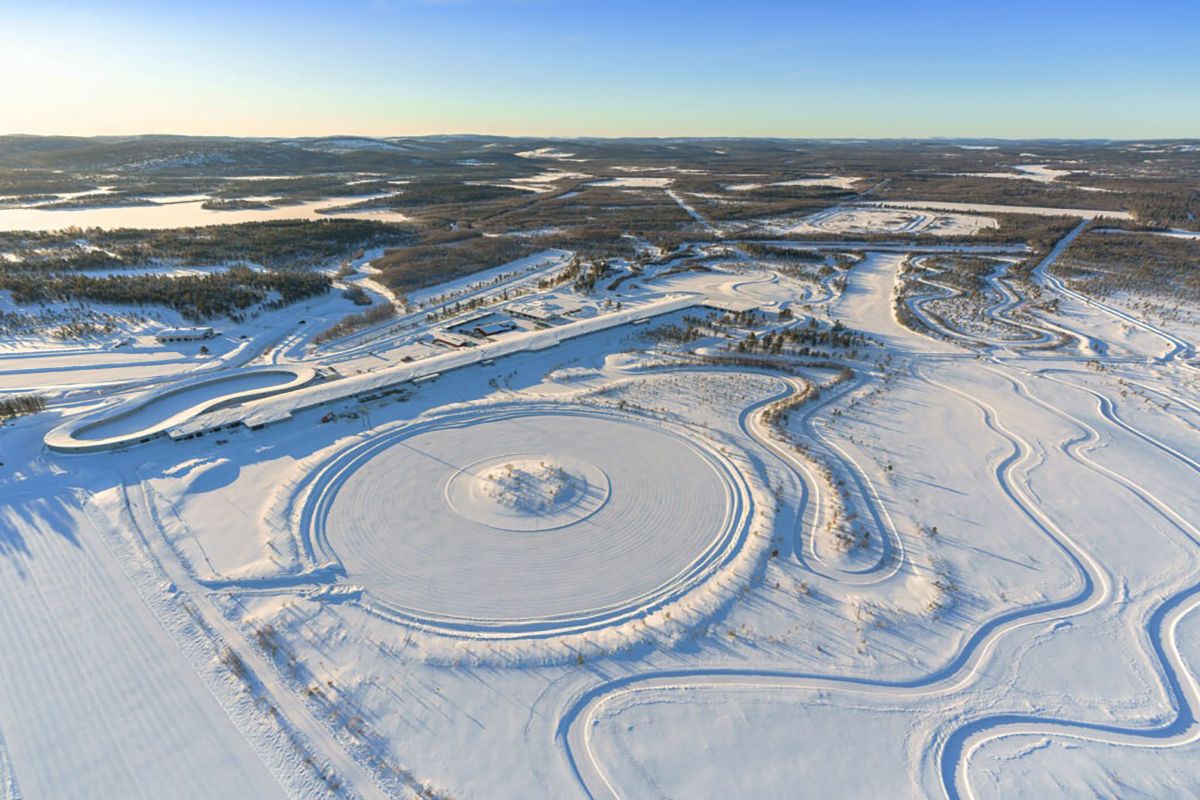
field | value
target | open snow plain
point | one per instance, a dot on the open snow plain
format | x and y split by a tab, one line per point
727	527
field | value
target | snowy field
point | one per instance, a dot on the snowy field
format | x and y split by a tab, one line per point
991	208
856	221
735	525
634	182
835	181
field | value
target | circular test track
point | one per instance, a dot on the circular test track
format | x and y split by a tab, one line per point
653	514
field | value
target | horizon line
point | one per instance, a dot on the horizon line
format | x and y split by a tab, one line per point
603	137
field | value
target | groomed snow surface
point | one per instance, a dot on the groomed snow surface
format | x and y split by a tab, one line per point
593	565
96	700
433	524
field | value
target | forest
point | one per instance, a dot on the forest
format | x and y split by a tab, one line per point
277	244
196	297
1144	263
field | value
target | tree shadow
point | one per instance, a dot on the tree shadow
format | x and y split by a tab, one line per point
24	517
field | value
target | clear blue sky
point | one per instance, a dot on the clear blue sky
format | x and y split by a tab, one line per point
870	68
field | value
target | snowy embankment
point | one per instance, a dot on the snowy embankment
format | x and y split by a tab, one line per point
153	413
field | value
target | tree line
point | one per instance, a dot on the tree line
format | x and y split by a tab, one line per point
196	297
276	244
20	404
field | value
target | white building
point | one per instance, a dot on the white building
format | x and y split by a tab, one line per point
545	310
453	339
184	335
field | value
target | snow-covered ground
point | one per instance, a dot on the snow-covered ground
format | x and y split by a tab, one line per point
835	181
1041	173
544	181
97	698
856	221
551	153
1038	173
613	544
634	182
1172	233
992	208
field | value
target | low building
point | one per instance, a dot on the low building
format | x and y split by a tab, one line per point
494	328
466	323
545	310
168	335
452	339
734	305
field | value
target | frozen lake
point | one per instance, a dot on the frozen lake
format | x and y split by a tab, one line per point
181	212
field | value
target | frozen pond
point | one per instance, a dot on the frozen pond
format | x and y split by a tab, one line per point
180	213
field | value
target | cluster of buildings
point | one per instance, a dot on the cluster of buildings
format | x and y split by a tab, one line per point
471	331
